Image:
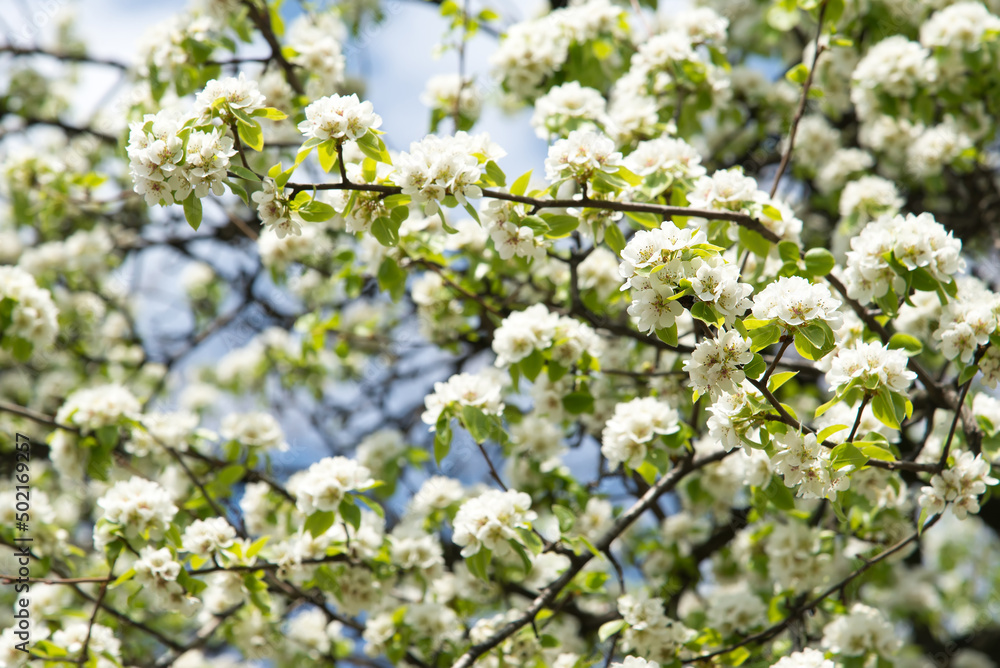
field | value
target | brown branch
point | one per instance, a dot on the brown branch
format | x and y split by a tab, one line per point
800	610
577	562
66	57
802	104
261	18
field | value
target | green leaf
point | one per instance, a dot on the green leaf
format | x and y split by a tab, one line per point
922	280
762	337
799	73
922	520
374	148
910	344
778	379
648	472
442	438
828	405
193	585
327	152
830	431
771	212
884	410
609	629
874	450
755	367
476	422
350	512
316	212
531	365
239	191
123	578
614	238
230	475
737	657
519	549
521	184
819	261
846	454
496	174
251	135
706	313
391	278
560	225
788	251
192	211
257	546
270	113
754	242
386	231
320	521
244	173
478	564
889	303
578	402
779	495
814	333
967	374
565	516
531	540
668	335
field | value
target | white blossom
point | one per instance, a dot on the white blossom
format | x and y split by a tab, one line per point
872	365
807	658
864	629
725	190
796	301
959	485
580	156
715	364
339	117
96	407
207	537
256	430
237	93
635	424
478	390
138	506
34	315
491	519
327	482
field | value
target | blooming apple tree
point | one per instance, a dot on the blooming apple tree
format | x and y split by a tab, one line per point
712	385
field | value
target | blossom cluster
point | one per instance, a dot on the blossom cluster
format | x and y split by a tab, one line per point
580	156
958	486
649	631
33	316
537	328
871	365
632	429
716	364
339	117
491	519
167	170
96	407
796	301
916	242
805	464
464	389
436	167
654	262
137	508
326	483
534	50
